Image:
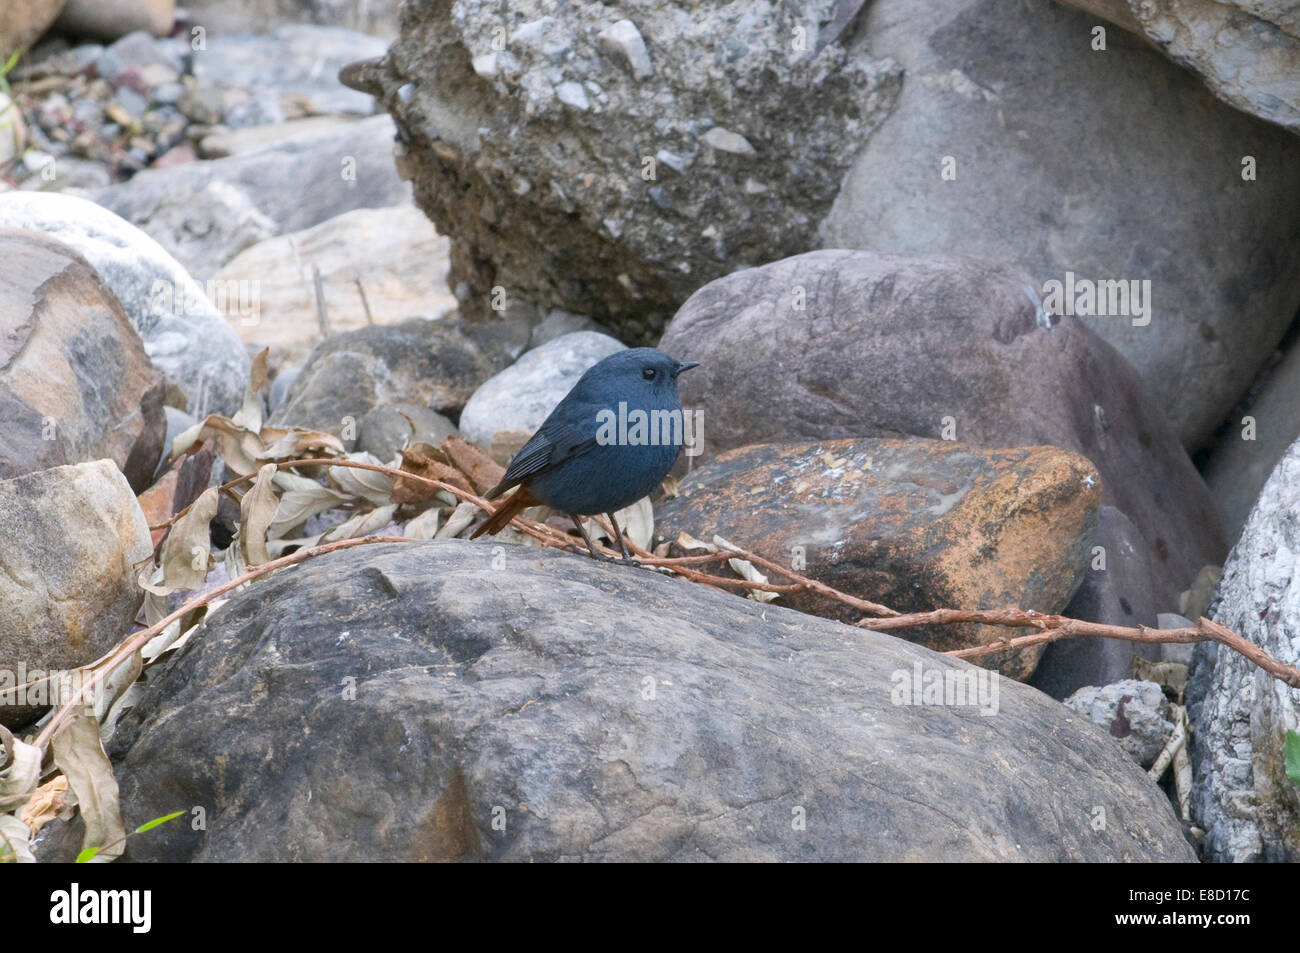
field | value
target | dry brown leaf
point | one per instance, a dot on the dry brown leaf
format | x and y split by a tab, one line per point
474	462
186	552
250	415
256	514
21	772
298	506
370	485
361	524
49	802
15	845
79	754
424	526
426	460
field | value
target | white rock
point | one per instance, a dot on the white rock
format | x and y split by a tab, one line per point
1243	797
724	140
509	406
184	335
572	94
624	39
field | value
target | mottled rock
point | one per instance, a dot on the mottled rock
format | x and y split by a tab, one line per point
1112	165
21	24
849	344
109	19
205	213
665	721
600	161
434	364
67	592
1136	714
1243	799
505	411
913	524
361	268
1246	51
75	381
183	334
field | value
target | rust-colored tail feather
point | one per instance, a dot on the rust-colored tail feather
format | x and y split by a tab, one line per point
505	511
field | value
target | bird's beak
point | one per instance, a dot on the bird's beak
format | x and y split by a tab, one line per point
685	366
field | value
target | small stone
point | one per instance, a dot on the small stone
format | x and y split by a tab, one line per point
672	160
134	104
572	94
168	94
623	40
485	66
1135	714
724	140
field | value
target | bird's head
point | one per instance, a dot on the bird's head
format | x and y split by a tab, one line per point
638	370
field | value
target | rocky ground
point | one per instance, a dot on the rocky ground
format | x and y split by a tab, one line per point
894	235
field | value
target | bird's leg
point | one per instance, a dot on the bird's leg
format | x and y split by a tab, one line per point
585	538
618	535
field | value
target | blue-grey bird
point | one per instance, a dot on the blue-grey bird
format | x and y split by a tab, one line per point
609	442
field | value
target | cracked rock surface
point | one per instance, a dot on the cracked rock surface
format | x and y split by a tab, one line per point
415	702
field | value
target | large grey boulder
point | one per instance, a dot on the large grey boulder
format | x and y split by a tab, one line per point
73	535
851	344
183	334
1112	164
205	213
1246	51
416	702
75	381
1249	808
610	159
1251	443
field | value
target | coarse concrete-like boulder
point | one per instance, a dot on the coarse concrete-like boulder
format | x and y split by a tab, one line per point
68	592
183	334
1111	164
75	381
1248	806
414	702
850	344
914	524
610	159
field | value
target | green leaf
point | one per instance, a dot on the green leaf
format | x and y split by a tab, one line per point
150	825
1292	751
10	63
86	855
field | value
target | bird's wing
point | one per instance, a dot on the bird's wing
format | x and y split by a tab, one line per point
552	445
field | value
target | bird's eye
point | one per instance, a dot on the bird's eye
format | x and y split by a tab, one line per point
648	373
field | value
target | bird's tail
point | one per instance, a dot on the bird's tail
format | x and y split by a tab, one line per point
506	510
